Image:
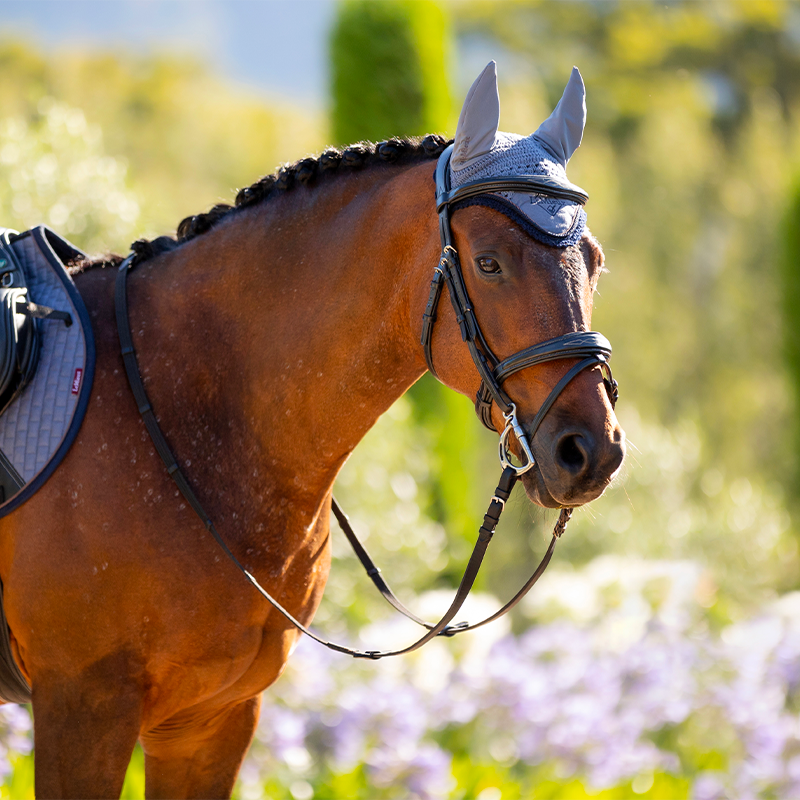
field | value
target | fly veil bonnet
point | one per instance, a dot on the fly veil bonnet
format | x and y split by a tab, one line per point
480	151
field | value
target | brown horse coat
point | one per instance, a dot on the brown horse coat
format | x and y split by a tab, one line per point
269	346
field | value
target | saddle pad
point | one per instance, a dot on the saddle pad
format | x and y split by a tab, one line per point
41	423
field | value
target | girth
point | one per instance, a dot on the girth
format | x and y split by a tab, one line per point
591	347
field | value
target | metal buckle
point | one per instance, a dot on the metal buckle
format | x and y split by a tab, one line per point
7	279
512	424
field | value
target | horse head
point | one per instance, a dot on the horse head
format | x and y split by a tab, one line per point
521	268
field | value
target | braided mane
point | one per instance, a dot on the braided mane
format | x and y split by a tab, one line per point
304	173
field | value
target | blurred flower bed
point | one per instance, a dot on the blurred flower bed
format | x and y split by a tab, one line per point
627	691
626	675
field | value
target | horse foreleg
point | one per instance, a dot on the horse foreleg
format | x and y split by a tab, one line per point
84	735
199	759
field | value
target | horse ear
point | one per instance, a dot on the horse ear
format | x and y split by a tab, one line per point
562	131
479	119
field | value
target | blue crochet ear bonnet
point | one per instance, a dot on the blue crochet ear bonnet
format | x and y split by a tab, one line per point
482	151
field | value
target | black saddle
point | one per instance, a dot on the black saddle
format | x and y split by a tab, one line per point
19	330
20	336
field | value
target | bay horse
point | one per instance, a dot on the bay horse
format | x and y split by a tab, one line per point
270	336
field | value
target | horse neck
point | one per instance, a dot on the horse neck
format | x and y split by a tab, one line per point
291	327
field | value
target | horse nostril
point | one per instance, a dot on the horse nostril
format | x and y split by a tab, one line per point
572	453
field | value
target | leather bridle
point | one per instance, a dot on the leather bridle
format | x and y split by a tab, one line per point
591	348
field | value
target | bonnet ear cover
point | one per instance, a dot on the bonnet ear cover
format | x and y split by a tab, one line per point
561	133
482	151
479	120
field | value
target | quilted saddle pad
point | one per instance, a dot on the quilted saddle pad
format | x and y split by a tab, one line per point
40	424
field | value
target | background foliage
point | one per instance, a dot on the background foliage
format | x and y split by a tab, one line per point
661	656
185	138
387	62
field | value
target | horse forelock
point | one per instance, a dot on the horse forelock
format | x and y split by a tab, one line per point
305	172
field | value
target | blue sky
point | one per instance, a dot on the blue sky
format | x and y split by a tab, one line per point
274	46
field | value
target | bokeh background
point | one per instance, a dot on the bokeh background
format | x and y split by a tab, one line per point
660	654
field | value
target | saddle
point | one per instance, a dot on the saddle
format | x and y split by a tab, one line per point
19	331
46	371
19	324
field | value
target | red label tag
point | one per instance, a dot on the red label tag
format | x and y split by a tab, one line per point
76	381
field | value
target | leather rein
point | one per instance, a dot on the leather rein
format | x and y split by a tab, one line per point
591	348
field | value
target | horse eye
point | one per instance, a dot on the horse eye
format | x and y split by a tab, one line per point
488	265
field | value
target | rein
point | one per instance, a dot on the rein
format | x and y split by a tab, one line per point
592	348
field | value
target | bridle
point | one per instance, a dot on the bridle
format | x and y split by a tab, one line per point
592	348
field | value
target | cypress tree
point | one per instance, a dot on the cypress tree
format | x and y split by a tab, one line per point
388	73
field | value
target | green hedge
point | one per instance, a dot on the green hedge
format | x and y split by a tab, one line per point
388	70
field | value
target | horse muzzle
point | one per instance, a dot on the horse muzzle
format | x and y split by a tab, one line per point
574	463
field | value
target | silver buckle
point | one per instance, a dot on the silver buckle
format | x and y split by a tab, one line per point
512	424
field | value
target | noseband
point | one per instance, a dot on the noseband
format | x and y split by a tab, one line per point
592	348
